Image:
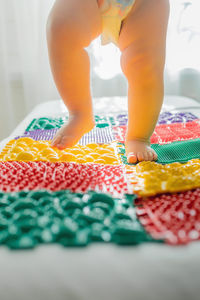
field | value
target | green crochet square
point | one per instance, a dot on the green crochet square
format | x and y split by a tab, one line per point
50	123
174	152
46	123
105	121
30	218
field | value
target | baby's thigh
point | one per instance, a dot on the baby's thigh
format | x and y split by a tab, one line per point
143	36
80	20
146	25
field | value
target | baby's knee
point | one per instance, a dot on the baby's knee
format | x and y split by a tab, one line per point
141	64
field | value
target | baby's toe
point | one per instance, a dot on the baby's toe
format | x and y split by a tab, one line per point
56	140
140	156
150	156
155	156
132	158
146	155
65	142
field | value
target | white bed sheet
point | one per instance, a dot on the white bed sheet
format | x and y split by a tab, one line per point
101	272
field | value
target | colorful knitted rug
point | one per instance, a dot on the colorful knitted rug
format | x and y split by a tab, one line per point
89	193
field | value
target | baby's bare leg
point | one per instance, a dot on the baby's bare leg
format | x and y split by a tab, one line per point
71	26
142	42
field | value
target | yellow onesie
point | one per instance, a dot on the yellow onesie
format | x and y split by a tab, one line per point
113	13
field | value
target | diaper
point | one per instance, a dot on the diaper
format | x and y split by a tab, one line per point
113	13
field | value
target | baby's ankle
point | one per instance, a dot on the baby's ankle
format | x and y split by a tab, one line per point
131	138
81	114
86	118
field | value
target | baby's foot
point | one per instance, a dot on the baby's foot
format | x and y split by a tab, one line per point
73	130
138	151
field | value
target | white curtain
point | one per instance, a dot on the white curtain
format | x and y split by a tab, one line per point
25	77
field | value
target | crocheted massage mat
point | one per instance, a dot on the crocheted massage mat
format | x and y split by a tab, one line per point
89	193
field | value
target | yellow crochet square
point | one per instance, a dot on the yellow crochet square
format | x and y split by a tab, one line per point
150	178
27	149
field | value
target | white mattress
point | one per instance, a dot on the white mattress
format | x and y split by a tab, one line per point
101	272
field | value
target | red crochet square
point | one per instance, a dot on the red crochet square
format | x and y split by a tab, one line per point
172	217
17	176
166	133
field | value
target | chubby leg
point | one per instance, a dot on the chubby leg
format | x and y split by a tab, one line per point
71	26
142	42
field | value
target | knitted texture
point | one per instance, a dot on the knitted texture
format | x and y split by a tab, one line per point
175	152
96	135
17	176
32	218
174	218
167	133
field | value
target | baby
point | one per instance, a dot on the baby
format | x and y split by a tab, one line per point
138	28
